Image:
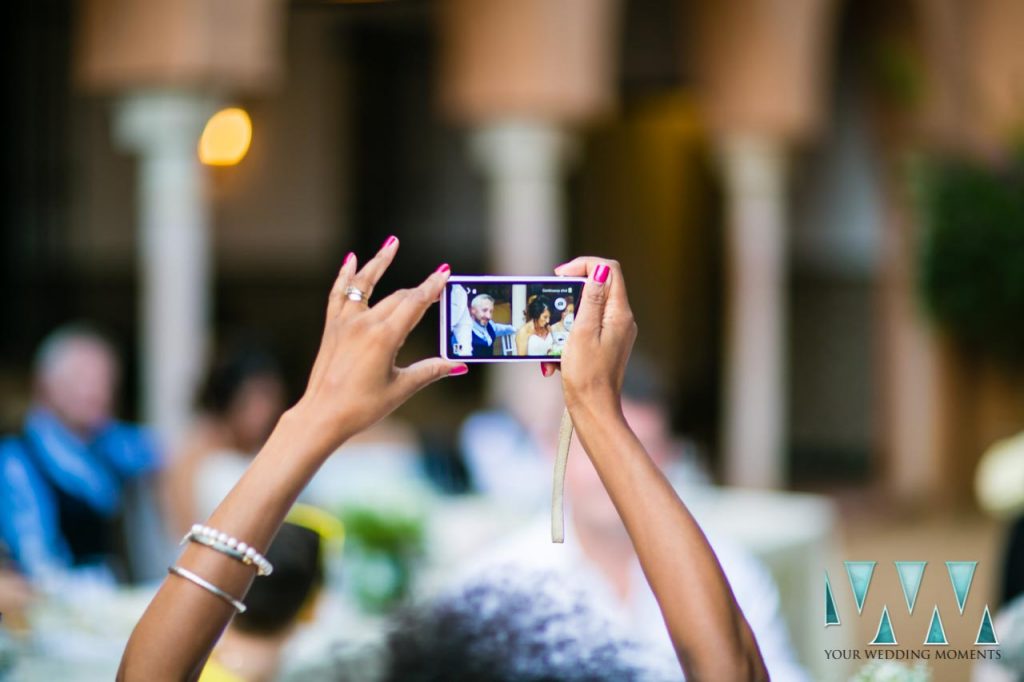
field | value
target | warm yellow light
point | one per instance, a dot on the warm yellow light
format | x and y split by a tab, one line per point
226	137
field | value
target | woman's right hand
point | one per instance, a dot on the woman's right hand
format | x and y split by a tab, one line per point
354	381
595	356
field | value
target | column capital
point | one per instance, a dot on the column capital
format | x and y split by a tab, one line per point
521	148
753	163
152	121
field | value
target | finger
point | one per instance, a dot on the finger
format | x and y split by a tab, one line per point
410	311
366	279
420	374
335	299
584	266
590	315
548	369
577	267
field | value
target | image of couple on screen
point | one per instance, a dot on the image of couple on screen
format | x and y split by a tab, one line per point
541	331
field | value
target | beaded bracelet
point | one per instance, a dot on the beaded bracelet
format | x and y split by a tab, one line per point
229	546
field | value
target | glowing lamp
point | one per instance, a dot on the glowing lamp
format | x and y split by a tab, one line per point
226	137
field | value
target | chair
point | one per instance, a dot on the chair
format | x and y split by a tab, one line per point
508	344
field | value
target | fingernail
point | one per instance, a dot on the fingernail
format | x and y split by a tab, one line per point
349	257
544	370
601	273
389	241
457	370
559	267
443	267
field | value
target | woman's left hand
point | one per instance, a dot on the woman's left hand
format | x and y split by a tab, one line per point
354	381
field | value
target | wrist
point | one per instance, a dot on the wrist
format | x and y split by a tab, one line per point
308	432
599	406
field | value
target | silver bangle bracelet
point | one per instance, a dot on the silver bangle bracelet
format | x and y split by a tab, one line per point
206	585
228	546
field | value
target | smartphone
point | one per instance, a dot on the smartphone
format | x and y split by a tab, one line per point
508	319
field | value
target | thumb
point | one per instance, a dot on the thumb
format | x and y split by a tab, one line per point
421	374
595	295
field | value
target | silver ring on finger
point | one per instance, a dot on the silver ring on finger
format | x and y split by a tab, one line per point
355	294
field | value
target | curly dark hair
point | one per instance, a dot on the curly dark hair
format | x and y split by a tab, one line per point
536	308
508	628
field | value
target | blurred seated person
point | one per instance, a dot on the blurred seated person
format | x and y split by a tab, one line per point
539	340
67	472
485	329
251	648
242	399
590	590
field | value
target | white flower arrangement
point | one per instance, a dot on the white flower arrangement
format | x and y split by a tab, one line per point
891	671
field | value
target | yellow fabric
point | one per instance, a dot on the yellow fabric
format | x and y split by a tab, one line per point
329	527
215	672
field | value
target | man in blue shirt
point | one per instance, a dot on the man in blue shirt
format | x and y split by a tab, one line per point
64	476
481	309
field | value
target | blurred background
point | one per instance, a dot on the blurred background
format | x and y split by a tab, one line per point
818	205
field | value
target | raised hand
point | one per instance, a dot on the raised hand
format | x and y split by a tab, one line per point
594	360
354	381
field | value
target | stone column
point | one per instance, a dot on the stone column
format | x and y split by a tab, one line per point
157	59
162	128
522	165
517	74
760	84
754	172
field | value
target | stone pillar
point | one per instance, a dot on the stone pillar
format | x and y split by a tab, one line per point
760	68
522	166
754	172
162	128
160	59
518	74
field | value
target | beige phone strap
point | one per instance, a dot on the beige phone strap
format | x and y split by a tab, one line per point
558	491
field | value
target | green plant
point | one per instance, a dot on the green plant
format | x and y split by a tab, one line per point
972	253
383	544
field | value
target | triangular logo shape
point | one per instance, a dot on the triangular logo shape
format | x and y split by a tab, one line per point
986	631
831	612
961	574
885	635
859	573
936	633
911	573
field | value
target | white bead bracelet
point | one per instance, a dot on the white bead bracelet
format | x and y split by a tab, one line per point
229	546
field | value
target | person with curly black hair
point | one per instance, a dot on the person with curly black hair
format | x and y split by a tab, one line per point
353	384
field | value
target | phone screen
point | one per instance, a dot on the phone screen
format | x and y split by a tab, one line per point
502	319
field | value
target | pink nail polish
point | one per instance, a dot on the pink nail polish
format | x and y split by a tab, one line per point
458	370
389	241
544	370
349	257
443	267
601	273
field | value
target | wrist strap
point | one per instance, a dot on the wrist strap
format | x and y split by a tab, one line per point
558	487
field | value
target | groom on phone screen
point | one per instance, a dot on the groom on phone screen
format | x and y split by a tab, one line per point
485	330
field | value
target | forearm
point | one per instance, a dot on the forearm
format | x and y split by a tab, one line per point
711	637
183	622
